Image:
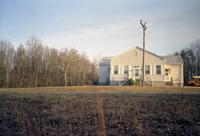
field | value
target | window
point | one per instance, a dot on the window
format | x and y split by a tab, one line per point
147	69
166	72
158	69
136	72
116	69
126	70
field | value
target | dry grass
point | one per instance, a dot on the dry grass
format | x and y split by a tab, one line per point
89	89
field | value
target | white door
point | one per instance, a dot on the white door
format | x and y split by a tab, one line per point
136	72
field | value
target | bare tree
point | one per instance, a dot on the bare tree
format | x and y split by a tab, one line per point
20	63
34	64
191	58
7	53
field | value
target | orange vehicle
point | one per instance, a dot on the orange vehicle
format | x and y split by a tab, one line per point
195	81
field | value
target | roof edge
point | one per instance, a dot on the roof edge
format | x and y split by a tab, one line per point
150	53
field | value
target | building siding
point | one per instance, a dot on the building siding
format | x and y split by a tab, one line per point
133	59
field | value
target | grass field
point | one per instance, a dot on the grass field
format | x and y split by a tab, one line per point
92	89
51	111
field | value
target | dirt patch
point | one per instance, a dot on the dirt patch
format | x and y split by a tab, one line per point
101	118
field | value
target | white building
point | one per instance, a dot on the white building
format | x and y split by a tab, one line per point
159	70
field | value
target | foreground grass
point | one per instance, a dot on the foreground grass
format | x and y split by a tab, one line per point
77	114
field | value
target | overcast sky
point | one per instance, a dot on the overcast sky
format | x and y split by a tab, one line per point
102	27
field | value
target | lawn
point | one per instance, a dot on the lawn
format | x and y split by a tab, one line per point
88	114
91	89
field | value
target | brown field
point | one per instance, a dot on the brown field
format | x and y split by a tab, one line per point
109	111
90	89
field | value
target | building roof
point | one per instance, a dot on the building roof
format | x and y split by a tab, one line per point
149	52
169	59
105	61
106	58
173	59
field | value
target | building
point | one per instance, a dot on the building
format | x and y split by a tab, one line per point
159	70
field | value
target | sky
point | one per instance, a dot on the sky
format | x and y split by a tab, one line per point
102	27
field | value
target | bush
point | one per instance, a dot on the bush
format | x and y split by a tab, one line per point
131	82
137	82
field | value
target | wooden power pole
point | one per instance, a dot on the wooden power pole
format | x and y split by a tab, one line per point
143	59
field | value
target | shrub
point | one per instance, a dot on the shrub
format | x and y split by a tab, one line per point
137	82
131	82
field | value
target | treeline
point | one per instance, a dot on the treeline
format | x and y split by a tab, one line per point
34	65
191	58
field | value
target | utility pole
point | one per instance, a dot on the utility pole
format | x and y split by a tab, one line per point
143	59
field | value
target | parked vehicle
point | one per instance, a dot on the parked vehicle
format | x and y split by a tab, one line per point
195	81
